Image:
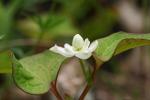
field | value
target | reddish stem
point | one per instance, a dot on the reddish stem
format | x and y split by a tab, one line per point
54	87
84	93
55	91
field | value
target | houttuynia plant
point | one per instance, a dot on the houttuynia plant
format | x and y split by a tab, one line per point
38	74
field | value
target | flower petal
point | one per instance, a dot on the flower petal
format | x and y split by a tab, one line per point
93	46
77	42
83	55
60	50
69	49
86	44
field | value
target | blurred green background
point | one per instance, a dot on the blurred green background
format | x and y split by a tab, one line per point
32	26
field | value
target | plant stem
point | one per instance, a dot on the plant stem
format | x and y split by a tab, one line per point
84	93
55	91
83	69
88	86
54	87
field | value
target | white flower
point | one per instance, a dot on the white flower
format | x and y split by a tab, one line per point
80	48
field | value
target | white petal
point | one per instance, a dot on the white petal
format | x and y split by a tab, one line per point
93	46
83	55
69	49
60	50
77	42
86	44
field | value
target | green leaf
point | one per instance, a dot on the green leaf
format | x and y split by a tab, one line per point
5	62
118	43
35	73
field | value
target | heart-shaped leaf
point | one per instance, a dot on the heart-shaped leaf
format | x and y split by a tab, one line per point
34	74
118	43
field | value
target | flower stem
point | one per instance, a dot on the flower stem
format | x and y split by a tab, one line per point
83	69
89	77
